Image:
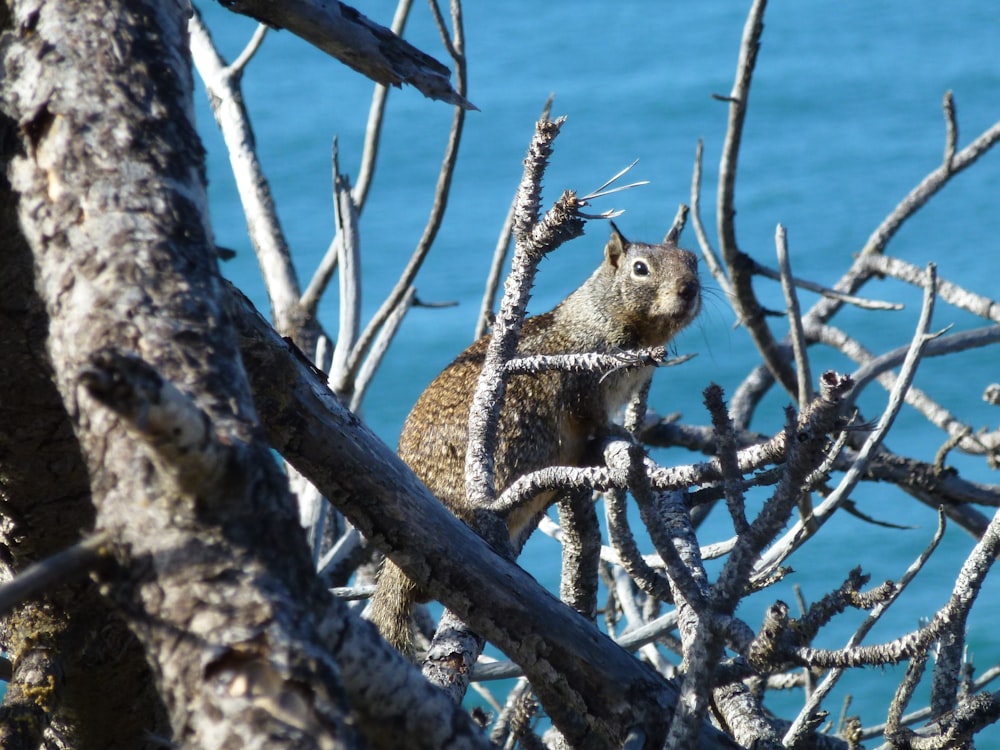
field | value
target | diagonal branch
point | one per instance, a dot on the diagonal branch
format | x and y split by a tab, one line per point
358	42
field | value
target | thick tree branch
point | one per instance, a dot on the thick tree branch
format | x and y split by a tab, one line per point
371	49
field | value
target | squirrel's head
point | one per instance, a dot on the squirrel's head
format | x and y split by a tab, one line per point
656	288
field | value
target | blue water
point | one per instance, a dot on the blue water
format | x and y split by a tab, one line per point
845	118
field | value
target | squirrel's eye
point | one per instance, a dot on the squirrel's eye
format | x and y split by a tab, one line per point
639	268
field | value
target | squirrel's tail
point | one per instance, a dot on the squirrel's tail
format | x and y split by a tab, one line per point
392	607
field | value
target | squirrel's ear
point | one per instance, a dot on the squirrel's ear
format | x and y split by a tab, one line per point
615	248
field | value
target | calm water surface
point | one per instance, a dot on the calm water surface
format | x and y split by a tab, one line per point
845	118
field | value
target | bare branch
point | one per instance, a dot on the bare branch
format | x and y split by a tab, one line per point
605	363
862	303
794	320
581	552
930	185
879	367
379	348
624	544
951	130
904	691
441	192
485	317
237	66
722	427
349	261
76	561
677	226
744	299
795	731
707	251
796	536
878	265
371	49
534	238
270	245
376	117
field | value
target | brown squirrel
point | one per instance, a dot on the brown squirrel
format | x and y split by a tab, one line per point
640	296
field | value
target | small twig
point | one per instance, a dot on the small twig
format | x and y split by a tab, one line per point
237	66
794	320
485	317
311	297
949	444
743	296
808	683
353	593
862	303
726	451
673	234
349	262
802	369
379	348
376	118
951	130
452	47
43	575
707	251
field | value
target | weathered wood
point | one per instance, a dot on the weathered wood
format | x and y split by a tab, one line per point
370	48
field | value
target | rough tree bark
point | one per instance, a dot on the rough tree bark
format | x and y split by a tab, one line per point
110	196
210	569
70	644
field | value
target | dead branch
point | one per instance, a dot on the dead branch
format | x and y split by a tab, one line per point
358	42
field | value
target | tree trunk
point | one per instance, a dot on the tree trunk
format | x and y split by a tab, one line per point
68	647
108	178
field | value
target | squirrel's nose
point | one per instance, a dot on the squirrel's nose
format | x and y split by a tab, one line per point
689	291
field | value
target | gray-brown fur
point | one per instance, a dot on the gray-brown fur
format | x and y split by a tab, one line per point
547	418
